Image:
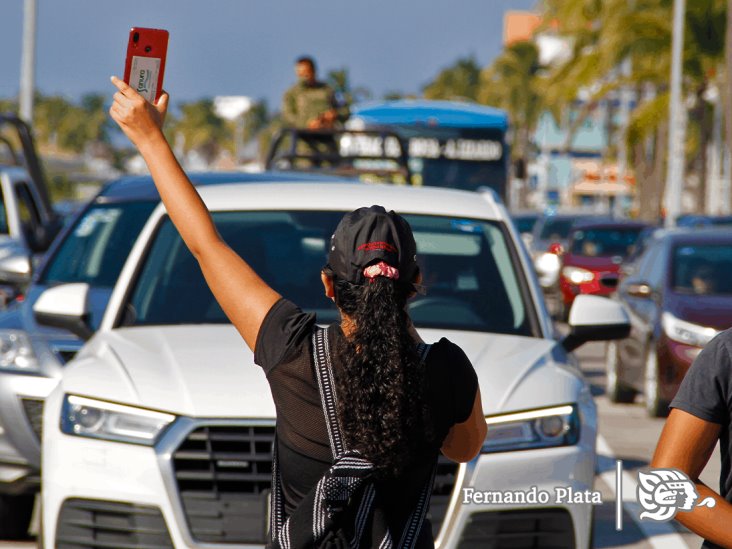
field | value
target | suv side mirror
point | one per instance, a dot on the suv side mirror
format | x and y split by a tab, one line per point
595	318
16	268
65	306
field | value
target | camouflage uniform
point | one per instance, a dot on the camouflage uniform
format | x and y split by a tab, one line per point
303	102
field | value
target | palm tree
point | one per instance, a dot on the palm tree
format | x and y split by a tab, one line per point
202	130
513	83
607	33
460	81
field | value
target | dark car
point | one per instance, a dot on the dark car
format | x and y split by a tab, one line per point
591	262
678	297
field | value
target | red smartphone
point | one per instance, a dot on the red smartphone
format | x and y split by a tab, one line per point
145	63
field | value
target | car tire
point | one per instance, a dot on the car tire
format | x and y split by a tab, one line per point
655	405
15	515
616	391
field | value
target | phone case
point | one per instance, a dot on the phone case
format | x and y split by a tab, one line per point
145	62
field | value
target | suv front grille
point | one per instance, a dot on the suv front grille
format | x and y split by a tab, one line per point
33	408
523	529
97	524
224	476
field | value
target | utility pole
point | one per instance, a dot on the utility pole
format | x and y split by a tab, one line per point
677	121
28	61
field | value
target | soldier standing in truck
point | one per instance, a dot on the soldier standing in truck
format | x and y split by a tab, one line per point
310	103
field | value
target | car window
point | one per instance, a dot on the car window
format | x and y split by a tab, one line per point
468	269
98	244
658	269
702	269
645	262
604	242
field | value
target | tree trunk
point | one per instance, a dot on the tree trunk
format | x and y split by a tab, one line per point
658	179
650	172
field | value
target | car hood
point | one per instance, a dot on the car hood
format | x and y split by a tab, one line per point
208	371
704	310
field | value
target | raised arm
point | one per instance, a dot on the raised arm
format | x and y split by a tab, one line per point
686	444
242	294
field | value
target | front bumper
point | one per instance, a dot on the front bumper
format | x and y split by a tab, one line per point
140	477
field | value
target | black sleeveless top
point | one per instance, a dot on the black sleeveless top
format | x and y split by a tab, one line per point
284	351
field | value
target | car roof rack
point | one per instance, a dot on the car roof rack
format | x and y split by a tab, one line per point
377	155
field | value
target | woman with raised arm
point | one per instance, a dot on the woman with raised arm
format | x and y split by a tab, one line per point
364	407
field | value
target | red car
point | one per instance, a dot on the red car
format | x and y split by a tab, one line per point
591	263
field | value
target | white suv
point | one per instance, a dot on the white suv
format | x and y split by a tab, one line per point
160	432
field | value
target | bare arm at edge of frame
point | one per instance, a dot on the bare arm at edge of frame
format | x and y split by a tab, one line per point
686	444
464	440
243	295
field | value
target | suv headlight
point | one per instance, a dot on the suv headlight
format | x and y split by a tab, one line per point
108	421
686	332
577	275
542	428
16	352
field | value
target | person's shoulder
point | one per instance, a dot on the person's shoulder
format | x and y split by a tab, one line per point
445	345
724	339
722	342
284	329
446	353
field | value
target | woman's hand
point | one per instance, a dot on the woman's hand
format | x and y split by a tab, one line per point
138	119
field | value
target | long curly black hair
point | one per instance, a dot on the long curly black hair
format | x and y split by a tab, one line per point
379	378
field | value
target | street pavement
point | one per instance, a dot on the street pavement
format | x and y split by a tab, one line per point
626	433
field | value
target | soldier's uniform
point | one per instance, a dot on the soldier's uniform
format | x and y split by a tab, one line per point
303	102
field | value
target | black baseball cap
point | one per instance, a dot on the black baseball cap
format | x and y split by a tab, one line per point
370	235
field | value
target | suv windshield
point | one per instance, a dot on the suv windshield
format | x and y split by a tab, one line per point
606	242
702	269
97	247
468	268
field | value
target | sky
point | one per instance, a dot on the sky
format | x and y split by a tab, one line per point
247	47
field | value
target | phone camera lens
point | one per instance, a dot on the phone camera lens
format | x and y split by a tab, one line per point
136	37
147	49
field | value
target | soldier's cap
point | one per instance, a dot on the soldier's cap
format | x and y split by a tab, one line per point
369	236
